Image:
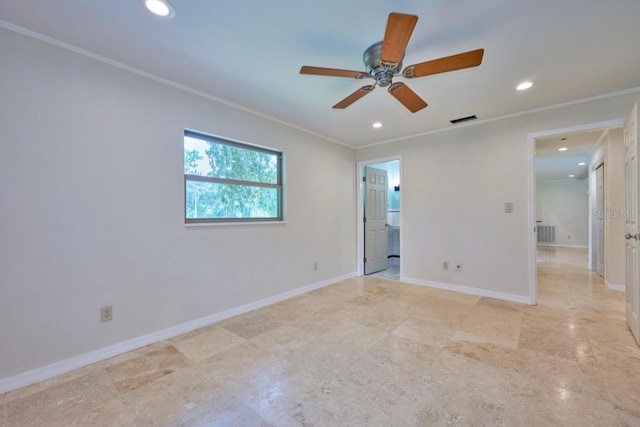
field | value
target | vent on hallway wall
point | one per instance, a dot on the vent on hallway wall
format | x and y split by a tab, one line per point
546	233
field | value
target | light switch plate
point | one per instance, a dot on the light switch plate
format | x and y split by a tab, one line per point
508	207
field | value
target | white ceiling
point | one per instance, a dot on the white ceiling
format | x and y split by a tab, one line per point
554	164
249	53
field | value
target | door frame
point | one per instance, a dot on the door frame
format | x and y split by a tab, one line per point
360	212
531	168
594	246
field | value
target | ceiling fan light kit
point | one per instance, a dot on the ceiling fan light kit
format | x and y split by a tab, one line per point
383	62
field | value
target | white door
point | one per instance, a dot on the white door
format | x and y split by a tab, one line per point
599	221
376	257
631	221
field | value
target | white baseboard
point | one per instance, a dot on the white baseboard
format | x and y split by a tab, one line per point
469	290
558	245
82	360
614	287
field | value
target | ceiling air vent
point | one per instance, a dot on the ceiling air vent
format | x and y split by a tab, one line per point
463	119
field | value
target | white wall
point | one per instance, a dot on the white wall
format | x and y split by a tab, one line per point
564	203
455	184
91	209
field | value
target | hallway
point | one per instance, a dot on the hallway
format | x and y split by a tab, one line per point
579	320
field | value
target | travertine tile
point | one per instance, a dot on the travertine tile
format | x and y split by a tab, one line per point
565	340
237	360
250	325
333	404
629	418
273	392
400	372
465	376
494	325
206	343
500	305
116	360
283	311
111	414
481	349
458	297
623	390
444	313
582	377
386	317
615	347
352	337
283	339
187	397
141	370
63	403
534	402
317	360
435	336
315	303
24	392
419	295
458	391
317	324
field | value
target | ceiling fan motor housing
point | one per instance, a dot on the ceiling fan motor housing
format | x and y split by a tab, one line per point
374	66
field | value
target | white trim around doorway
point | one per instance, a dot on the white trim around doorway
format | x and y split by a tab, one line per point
531	167
360	212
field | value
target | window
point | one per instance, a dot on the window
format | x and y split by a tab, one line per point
228	181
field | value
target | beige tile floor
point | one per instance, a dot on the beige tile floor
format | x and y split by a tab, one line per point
372	352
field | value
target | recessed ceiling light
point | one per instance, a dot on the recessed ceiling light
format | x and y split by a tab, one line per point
562	149
377	125
524	85
160	7
572	176
582	163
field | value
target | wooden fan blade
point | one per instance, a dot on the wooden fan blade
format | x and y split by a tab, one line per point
354	97
396	37
407	97
333	72
450	63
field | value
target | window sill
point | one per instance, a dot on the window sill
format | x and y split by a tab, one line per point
232	224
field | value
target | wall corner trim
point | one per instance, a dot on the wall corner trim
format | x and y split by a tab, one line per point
57	368
469	290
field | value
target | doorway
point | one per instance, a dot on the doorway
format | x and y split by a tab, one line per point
556	235
391	230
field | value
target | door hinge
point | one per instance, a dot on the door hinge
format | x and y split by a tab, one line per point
364	179
364	219
364	260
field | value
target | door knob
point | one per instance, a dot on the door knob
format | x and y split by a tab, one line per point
630	236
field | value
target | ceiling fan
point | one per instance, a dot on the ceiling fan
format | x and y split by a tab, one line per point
383	62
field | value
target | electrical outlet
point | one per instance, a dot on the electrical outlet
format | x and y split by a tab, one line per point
106	313
458	267
445	265
315	265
